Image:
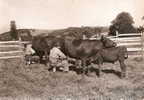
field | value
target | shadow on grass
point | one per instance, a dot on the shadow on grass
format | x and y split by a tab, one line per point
96	71
117	73
92	70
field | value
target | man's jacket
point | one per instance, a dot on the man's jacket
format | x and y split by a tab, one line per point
56	55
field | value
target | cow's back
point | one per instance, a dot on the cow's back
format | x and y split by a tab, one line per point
92	45
82	48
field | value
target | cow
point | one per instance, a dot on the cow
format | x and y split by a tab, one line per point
42	47
83	49
111	55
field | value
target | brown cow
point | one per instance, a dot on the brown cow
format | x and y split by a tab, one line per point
111	55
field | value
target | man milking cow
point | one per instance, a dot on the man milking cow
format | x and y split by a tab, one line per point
58	59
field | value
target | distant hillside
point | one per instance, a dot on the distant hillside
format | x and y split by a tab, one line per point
27	34
78	31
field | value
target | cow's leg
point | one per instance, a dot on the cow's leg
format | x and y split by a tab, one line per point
46	58
41	58
78	63
29	59
88	66
100	62
99	69
84	66
123	68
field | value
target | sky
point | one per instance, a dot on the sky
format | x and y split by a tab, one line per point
56	14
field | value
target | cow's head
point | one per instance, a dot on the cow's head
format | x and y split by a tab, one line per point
107	42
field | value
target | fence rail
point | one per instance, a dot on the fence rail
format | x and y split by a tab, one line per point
18	51
11	49
2	42
10	57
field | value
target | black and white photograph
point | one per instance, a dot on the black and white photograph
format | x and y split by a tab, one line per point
71	50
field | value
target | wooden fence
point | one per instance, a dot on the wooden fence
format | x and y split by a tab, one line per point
133	41
11	49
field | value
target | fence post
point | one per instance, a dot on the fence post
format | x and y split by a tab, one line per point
117	37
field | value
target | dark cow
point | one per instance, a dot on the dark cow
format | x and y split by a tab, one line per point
111	55
83	49
41	47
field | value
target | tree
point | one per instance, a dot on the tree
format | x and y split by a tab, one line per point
13	30
124	23
112	30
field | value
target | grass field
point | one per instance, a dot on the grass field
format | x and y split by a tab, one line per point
35	82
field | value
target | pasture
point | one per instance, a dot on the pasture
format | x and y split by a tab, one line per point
22	82
35	82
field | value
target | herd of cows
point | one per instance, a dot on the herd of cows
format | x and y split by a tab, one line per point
87	51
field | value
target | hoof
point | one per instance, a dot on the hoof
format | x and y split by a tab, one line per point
123	75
